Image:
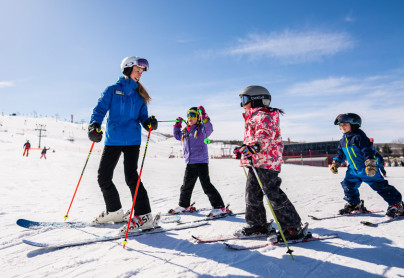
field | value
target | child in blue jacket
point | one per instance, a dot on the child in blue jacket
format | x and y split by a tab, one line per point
356	148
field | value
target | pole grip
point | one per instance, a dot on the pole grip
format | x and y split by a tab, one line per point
206	140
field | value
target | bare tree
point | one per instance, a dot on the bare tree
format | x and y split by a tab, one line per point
399	140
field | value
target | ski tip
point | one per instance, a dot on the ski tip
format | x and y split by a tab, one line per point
26	223
313	217
370	224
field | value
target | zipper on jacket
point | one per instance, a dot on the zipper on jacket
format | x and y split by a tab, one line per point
132	109
347	149
122	107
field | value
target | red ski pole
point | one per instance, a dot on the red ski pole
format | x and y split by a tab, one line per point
137	187
67	214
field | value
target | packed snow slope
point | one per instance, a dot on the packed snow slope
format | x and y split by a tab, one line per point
40	189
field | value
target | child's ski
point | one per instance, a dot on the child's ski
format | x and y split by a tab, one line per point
384	221
265	244
157	229
357	212
226	237
200	239
208	218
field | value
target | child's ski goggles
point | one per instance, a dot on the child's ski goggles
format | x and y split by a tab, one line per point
246	99
192	114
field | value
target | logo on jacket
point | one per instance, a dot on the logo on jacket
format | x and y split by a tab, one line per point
119	93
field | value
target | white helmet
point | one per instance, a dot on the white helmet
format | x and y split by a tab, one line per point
128	63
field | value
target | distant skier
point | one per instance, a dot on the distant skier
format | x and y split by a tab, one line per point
126	104
43	152
26	147
197	159
356	148
263	146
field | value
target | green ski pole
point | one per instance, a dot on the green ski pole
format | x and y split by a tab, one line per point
172	121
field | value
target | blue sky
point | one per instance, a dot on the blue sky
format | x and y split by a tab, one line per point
317	58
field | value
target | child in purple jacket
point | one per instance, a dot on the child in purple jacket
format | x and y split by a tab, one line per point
197	159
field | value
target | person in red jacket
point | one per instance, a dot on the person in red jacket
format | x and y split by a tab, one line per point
26	147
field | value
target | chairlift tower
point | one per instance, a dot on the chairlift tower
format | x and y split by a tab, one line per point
40	128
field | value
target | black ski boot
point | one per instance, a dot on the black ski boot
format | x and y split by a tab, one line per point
266	229
294	233
353	207
395	210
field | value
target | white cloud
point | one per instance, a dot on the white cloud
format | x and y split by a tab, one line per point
379	100
328	86
4	84
372	86
293	47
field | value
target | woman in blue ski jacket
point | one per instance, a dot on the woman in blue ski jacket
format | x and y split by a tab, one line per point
197	159
126	105
356	148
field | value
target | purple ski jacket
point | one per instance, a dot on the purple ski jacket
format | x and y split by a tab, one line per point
195	150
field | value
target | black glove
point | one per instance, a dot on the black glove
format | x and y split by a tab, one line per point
237	152
95	132
151	121
247	150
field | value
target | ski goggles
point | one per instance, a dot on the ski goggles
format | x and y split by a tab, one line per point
140	62
345	118
192	114
247	99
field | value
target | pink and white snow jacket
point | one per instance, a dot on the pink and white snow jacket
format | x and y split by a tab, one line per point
262	127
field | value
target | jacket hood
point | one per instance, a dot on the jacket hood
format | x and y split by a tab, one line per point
252	111
127	84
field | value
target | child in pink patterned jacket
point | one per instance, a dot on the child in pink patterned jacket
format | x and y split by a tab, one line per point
263	147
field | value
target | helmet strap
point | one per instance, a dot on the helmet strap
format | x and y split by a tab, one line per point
127	71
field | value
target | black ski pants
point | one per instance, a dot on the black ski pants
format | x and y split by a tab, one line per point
255	208
192	173
109	160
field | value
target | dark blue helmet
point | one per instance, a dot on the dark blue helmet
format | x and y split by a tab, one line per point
352	118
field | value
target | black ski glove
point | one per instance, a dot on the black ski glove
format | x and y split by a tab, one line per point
151	121
95	132
247	150
237	152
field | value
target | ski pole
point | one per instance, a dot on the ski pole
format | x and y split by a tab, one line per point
172	121
245	172
206	141
67	214
137	187
272	210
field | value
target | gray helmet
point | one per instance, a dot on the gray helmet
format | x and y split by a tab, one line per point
257	95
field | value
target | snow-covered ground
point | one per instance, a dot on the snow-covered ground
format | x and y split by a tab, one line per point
39	189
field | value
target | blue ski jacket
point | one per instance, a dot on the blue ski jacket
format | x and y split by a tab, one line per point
355	147
127	110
